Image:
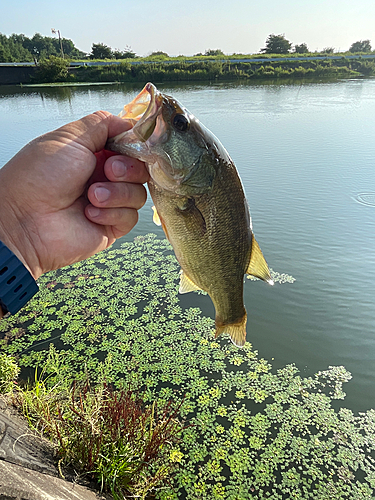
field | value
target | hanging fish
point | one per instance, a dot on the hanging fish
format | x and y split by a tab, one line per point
199	202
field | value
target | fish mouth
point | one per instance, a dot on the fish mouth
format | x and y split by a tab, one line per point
150	130
143	110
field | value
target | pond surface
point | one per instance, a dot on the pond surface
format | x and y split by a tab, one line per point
306	155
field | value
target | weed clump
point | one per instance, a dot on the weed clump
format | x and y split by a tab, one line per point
9	371
107	436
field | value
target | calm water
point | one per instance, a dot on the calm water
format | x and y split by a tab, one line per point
306	155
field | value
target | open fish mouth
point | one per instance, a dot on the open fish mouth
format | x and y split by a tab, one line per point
147	135
143	111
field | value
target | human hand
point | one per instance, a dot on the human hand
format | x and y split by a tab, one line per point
63	198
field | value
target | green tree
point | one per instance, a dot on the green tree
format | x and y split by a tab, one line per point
20	48
159	53
277	44
301	49
101	51
361	46
41	46
70	50
127	53
17	48
214	52
328	50
5	55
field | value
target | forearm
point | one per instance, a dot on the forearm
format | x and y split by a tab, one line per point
16	220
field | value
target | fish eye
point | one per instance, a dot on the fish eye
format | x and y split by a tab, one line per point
180	122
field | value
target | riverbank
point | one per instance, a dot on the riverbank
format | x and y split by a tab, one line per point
27	466
57	70
221	70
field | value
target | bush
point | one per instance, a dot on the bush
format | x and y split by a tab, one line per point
53	69
214	52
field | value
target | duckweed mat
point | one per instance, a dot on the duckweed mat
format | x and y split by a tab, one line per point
252	432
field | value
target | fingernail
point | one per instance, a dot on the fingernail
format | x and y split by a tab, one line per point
102	194
93	211
118	168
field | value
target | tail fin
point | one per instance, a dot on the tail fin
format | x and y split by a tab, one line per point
236	331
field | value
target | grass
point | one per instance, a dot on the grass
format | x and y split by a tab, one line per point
217	70
223	57
9	372
206	70
110	437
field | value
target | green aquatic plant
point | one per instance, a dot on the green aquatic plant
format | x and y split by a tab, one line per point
256	432
277	277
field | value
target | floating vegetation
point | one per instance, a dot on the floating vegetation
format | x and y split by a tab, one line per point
255	432
277	277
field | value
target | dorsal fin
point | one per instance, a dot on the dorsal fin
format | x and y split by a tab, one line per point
186	284
258	266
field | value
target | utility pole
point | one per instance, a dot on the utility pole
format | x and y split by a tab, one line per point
61	47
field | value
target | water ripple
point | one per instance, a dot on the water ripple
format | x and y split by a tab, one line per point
365	199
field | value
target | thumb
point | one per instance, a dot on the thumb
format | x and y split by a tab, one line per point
93	131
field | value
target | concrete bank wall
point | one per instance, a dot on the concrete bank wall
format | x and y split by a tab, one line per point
14	75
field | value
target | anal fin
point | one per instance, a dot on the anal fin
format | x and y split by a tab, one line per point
258	266
186	284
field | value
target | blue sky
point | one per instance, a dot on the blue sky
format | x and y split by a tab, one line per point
195	25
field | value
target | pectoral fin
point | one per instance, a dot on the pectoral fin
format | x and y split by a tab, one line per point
155	218
258	266
186	284
188	209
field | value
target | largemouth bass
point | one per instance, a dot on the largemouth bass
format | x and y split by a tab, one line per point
199	201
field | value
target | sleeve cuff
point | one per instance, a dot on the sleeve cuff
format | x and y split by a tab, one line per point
17	286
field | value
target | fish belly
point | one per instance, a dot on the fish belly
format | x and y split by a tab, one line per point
211	238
